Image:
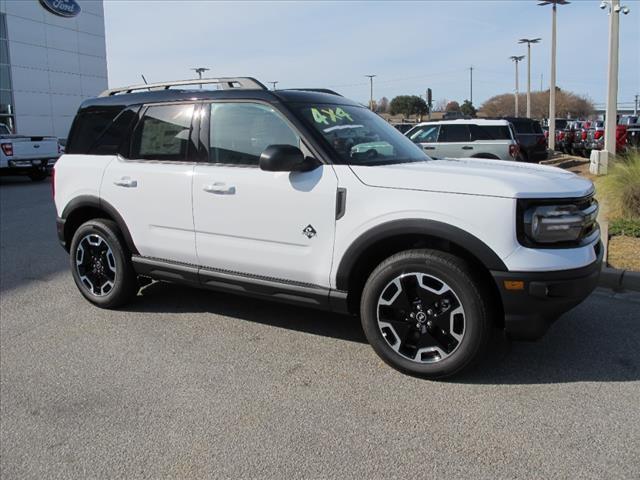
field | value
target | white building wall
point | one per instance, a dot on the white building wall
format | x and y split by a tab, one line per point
56	63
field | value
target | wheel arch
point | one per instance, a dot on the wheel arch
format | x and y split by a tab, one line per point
87	207
387	239
489	156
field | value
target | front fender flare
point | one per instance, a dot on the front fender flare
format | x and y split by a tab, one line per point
430	228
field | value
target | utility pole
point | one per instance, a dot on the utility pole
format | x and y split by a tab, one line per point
612	85
471	84
517	59
529	41
635	105
200	71
371	77
274	83
552	88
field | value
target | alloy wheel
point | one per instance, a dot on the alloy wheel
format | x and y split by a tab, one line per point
420	317
96	265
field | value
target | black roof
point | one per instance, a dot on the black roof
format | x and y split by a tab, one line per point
175	95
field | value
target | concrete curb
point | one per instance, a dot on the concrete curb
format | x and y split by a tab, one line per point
619	280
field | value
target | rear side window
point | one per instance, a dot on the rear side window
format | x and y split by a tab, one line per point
88	127
163	133
454	133
490	132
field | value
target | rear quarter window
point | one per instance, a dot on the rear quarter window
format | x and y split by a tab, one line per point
88	126
490	132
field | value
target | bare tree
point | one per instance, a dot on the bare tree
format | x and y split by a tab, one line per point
568	104
383	105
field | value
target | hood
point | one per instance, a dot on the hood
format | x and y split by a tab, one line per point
495	178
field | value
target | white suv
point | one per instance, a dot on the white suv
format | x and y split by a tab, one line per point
303	196
474	138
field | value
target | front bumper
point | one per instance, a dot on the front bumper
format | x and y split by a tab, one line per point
544	296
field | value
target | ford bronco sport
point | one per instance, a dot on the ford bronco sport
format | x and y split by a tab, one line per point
303	196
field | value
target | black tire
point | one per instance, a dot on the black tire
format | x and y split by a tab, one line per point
38	175
454	273
121	274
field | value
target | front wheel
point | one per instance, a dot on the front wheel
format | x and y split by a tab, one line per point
101	265
423	313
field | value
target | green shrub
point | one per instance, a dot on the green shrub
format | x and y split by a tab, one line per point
625	226
621	187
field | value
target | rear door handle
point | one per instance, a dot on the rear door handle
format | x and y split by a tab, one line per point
126	182
467	147
428	148
220	188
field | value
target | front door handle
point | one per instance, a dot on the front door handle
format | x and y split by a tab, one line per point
220	188
429	148
467	147
126	182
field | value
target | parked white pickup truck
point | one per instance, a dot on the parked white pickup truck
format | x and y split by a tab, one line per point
23	155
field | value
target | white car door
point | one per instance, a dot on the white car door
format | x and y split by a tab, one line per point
272	225
151	189
454	141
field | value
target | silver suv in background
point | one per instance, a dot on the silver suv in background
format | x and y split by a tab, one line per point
473	138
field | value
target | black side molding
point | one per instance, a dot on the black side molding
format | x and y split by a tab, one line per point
295	293
341	202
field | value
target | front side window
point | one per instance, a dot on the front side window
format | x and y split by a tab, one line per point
240	132
454	133
357	136
163	133
426	134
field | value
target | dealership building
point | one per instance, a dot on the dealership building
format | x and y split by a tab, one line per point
53	56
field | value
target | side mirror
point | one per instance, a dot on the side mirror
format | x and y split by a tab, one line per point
286	158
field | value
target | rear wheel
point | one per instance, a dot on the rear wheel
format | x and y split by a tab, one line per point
101	265
424	314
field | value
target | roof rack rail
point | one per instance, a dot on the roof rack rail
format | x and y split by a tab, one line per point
239	83
319	90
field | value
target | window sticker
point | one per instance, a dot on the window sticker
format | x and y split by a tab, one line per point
333	115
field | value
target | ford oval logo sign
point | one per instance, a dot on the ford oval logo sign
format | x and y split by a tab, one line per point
63	8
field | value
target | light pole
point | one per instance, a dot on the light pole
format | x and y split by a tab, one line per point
274	83
200	71
529	41
552	88
612	85
471	85
516	59
371	77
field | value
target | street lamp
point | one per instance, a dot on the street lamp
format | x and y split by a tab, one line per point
200	71
529	41
612	85
552	88
371	77
516	59
274	83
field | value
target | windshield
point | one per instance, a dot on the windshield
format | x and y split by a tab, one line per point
359	136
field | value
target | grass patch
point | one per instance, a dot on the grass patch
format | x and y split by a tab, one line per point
629	227
621	187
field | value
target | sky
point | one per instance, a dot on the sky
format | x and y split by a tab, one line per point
410	46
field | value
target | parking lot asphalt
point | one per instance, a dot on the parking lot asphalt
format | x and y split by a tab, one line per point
191	384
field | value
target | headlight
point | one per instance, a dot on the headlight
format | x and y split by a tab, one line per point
560	224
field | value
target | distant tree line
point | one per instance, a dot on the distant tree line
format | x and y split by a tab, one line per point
568	104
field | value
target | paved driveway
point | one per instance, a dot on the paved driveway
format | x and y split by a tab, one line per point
187	383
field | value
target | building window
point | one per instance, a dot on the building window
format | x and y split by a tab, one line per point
6	92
